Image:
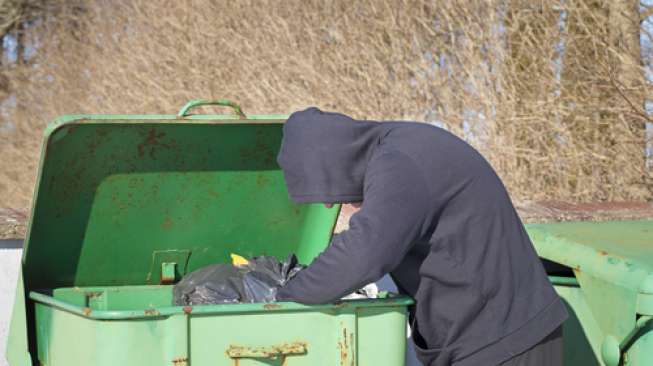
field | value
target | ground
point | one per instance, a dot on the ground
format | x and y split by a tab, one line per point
553	211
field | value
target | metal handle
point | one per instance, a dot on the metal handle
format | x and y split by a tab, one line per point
612	349
295	348
183	112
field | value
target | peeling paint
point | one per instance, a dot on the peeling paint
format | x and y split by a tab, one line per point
272	306
180	361
151	312
272	352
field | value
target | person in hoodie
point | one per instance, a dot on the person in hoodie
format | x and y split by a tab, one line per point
438	219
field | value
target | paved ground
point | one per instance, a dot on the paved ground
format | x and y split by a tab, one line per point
529	212
9	260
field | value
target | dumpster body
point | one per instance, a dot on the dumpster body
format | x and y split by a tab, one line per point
608	290
126	205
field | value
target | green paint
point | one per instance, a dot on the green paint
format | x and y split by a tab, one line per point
137	302
613	299
183	112
630	240
138	324
125	191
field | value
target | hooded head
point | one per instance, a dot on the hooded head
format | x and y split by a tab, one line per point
324	156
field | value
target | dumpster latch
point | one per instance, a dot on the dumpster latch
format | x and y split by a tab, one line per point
168	270
167	266
270	352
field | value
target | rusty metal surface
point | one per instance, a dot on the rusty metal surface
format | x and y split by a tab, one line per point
347	347
139	192
342	333
180	361
142	302
282	350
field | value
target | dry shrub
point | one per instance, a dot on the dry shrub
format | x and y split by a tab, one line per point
545	89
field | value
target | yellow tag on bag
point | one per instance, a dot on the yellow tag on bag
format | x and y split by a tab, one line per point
238	260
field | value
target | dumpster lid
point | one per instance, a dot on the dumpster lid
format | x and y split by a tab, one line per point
144	199
617	251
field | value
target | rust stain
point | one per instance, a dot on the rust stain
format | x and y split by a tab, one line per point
272	306
294	348
188	309
344	347
152	140
151	312
603	252
92	144
262	181
280	351
180	361
353	349
343	354
270	157
103	131
87	311
167	224
93	294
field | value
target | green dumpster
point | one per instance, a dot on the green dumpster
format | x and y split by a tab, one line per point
125	205
608	288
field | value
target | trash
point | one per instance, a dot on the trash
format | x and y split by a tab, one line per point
238	260
244	281
370	291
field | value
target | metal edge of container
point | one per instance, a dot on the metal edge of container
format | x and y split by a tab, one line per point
624	272
221	309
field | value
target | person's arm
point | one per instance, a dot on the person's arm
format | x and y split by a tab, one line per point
393	215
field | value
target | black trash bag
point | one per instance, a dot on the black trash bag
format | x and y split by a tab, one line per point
257	281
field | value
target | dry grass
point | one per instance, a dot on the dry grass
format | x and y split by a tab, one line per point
545	89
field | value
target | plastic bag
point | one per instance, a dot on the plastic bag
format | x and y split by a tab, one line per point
257	280
370	291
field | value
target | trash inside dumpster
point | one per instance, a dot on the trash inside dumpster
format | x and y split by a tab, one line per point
250	280
126	206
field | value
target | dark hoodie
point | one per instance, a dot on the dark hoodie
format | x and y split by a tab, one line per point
437	218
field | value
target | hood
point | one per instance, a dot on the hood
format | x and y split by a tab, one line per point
324	156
